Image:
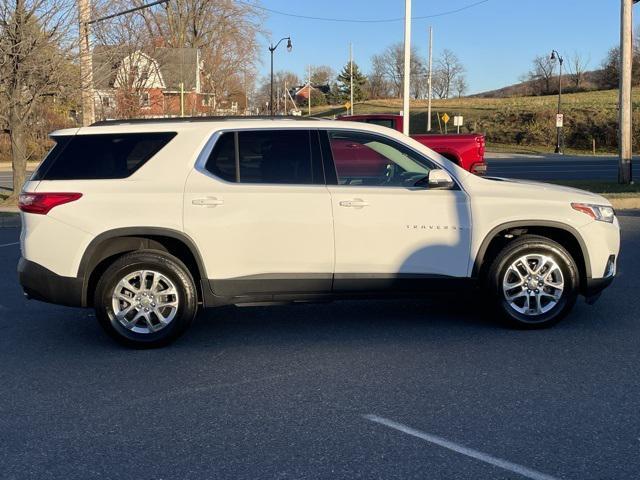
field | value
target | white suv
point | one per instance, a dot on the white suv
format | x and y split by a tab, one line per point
148	220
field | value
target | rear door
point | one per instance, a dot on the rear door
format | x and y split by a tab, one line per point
259	210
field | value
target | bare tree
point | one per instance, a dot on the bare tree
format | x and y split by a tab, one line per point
448	69
542	73
378	86
577	67
460	85
322	75
226	32
35	54
390	66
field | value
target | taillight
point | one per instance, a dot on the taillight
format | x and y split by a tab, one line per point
481	144
42	203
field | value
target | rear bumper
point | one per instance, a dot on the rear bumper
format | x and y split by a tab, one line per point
42	284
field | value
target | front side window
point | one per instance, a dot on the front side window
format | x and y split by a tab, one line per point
372	160
264	156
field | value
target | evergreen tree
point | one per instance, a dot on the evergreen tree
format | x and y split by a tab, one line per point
344	84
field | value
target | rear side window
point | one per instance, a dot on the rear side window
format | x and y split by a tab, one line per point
383	122
267	156
92	157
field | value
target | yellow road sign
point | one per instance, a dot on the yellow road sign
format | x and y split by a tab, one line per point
347	105
445	118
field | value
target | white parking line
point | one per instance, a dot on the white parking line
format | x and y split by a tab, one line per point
442	442
9	244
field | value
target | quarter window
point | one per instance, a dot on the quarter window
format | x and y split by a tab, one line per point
367	159
264	156
101	156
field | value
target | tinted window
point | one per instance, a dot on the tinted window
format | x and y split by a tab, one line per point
83	157
367	159
222	162
265	156
382	122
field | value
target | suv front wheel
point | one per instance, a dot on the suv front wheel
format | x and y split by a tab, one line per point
535	282
146	299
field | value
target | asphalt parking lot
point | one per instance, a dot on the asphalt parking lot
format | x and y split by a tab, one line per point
380	389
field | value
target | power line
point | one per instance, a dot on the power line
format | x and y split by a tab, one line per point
354	20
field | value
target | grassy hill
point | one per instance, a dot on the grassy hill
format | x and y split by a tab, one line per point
519	123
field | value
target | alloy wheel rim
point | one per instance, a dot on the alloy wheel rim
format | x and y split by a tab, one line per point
145	301
533	284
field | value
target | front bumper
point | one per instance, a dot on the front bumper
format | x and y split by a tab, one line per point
594	288
42	284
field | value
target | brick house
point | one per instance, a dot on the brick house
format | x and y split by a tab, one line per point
149	82
301	93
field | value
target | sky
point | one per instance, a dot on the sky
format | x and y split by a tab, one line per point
496	40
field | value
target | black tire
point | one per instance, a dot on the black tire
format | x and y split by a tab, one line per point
168	266
532	245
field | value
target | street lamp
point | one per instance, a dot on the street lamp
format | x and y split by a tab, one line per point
272	49
554	55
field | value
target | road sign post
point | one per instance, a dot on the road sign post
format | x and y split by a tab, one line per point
458	121
445	119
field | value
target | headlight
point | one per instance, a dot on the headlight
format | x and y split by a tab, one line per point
602	213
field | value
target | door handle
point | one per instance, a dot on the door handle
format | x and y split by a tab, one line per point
207	202
355	203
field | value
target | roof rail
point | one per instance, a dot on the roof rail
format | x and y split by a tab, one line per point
128	121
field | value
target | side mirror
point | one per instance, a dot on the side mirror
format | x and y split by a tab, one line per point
437	179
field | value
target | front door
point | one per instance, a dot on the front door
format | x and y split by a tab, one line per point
388	229
259	210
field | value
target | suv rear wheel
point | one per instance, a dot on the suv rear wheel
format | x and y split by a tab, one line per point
535	282
146	299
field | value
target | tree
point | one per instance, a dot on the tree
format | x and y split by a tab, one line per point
389	65
460	85
35	52
448	69
322	75
378	85
577	67
344	83
542	73
225	31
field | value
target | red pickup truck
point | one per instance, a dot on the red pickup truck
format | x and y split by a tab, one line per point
465	150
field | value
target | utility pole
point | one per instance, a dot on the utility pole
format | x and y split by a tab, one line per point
430	77
246	94
351	75
309	90
626	59
285	98
407	66
86	64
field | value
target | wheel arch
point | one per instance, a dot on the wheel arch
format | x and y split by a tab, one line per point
565	235
109	245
